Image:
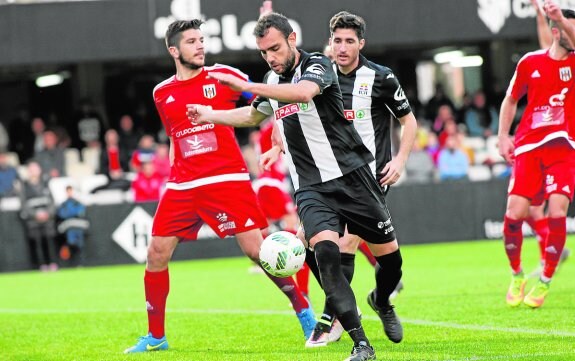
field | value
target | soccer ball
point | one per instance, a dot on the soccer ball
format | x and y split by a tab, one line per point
282	254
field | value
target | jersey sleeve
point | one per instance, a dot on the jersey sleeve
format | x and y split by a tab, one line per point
518	85
262	104
163	118
392	95
318	70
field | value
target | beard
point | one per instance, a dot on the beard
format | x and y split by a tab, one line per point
289	63
188	64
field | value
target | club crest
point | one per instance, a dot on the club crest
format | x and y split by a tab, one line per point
209	91
565	73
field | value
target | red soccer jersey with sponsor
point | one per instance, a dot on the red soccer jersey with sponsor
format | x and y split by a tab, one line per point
550	110
203	153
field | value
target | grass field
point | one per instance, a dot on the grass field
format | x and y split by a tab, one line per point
453	308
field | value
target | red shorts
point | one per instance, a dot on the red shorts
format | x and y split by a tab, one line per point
274	200
228	208
545	170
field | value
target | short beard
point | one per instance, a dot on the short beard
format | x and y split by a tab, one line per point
290	62
188	64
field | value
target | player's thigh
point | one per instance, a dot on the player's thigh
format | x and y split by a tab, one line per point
230	208
317	215
383	248
176	215
528	177
349	242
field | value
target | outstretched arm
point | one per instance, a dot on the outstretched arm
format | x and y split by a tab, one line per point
554	13
242	117
543	31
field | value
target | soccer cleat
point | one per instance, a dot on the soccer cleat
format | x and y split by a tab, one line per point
323	334
396	291
391	324
536	296
307	320
516	290
361	352
148	343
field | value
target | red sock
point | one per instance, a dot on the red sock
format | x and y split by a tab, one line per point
554	245
513	240
541	230
157	285
367	252
291	290
302	279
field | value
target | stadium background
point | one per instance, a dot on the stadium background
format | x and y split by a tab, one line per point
112	52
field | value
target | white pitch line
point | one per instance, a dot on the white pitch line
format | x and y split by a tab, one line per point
438	324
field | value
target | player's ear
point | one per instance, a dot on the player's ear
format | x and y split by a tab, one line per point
361	44
292	39
174	52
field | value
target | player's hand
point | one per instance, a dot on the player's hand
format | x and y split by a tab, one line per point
270	157
266	8
198	113
507	148
537	6
232	81
391	172
553	10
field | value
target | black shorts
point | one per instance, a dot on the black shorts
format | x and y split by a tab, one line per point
355	199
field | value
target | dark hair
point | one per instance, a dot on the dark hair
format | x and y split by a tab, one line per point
567	13
272	20
346	20
175	29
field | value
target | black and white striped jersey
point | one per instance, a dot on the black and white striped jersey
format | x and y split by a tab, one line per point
371	95
320	143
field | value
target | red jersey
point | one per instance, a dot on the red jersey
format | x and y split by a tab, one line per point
203	153
265	143
550	110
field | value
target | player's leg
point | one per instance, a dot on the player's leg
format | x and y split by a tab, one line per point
250	242
538	223
157	287
517	210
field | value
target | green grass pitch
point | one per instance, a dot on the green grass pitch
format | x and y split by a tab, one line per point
453	308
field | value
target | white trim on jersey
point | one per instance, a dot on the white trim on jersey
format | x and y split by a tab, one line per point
162	83
217	66
364	126
556	135
232	177
269	182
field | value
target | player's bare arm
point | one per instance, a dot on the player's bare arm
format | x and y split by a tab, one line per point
554	13
246	116
393	169
272	155
544	35
506	115
301	92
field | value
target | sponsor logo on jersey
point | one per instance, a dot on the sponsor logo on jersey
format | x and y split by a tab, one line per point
399	94
565	73
316	69
557	99
303	106
566	189
198	144
363	89
360	114
225	224
195	129
349	114
249	223
551	186
209	91
286	110
222	217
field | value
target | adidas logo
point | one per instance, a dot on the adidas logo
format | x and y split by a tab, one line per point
149	307
566	189
510	246
170	99
536	74
551	250
249	222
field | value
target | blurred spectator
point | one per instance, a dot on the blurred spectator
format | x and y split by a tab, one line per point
436	101
21	136
432	147
469	152
8	177
129	134
481	119
4	139
444	115
51	158
449	129
452	163
162	160
114	161
87	128
419	167
38	213
38	127
466	102
148	184
73	226
145	152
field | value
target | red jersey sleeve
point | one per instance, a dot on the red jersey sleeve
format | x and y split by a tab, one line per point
518	85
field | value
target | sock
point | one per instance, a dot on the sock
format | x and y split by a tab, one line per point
387	275
312	264
338	292
554	245
367	253
302	279
157	286
357	335
541	229
513	240
291	290
347	267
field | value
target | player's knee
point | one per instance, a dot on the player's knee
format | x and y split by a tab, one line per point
384	248
349	243
159	253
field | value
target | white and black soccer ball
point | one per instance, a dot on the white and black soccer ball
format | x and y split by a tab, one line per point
282	254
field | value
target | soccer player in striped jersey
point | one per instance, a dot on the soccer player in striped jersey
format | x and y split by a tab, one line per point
209	181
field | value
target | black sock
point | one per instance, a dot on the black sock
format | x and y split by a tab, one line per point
358	335
347	267
312	264
339	294
387	276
